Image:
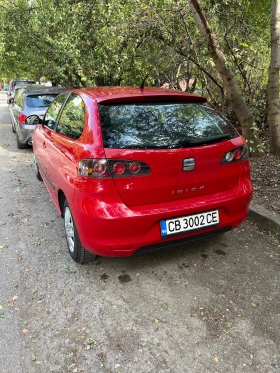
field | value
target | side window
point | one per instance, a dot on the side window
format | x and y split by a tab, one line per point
72	119
19	98
53	111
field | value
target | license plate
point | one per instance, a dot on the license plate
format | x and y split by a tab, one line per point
189	223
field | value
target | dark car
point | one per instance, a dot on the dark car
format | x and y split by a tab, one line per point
132	170
16	88
15	82
30	100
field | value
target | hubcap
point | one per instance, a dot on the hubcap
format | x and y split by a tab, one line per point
69	229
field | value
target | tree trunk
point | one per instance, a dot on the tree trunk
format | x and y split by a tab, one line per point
233	92
273	80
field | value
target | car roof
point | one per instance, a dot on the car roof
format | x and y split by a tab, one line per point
23	85
114	94
37	89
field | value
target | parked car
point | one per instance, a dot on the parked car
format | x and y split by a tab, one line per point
29	100
16	88
14	82
132	170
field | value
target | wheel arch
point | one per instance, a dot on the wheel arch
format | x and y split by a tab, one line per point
61	200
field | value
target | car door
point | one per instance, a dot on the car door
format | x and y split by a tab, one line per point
43	135
62	148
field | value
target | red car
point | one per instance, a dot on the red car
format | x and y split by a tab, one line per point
132	170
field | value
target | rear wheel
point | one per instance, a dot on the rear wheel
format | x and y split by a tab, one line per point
77	252
20	145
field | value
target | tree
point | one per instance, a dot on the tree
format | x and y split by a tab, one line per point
273	80
238	104
117	42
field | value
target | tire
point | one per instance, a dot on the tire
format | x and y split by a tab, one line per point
21	145
37	170
13	128
77	252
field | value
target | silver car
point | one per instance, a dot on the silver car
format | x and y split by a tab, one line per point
30	100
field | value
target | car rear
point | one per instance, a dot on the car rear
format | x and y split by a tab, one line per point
175	168
36	102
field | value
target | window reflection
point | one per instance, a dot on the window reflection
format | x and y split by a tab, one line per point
160	125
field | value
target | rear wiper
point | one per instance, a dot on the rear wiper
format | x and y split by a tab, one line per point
202	141
143	146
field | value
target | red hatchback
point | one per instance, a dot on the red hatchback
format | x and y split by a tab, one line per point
132	170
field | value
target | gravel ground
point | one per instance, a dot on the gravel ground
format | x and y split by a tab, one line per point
265	172
212	306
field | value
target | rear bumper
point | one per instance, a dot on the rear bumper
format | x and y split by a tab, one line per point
110	228
24	133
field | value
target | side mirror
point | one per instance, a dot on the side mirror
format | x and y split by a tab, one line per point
33	120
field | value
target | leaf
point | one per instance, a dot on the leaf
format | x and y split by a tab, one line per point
228	324
165	306
13	299
244	45
69	269
254	305
2	247
33	357
156	321
216	360
25	331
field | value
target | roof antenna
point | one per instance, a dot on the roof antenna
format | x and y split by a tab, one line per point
143	83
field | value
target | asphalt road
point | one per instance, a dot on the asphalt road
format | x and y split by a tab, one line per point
210	306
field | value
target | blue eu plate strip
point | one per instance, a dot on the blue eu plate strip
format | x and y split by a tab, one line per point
163	228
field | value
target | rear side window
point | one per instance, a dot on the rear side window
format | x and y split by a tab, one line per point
162	125
43	100
72	119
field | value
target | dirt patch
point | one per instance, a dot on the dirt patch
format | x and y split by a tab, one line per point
265	173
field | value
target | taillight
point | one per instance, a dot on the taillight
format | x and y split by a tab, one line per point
112	168
235	155
118	168
21	118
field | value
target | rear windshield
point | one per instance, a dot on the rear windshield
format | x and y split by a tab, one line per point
40	100
162	125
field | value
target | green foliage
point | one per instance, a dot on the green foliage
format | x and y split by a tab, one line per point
113	42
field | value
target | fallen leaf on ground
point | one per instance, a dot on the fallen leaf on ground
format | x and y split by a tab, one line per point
12	300
25	331
216	360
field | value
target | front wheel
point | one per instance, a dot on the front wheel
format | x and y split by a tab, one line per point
13	128
77	252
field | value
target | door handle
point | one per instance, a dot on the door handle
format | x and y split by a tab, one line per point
44	144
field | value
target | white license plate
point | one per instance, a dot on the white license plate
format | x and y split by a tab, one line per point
189	223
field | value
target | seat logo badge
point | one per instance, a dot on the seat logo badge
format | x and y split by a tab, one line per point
188	164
